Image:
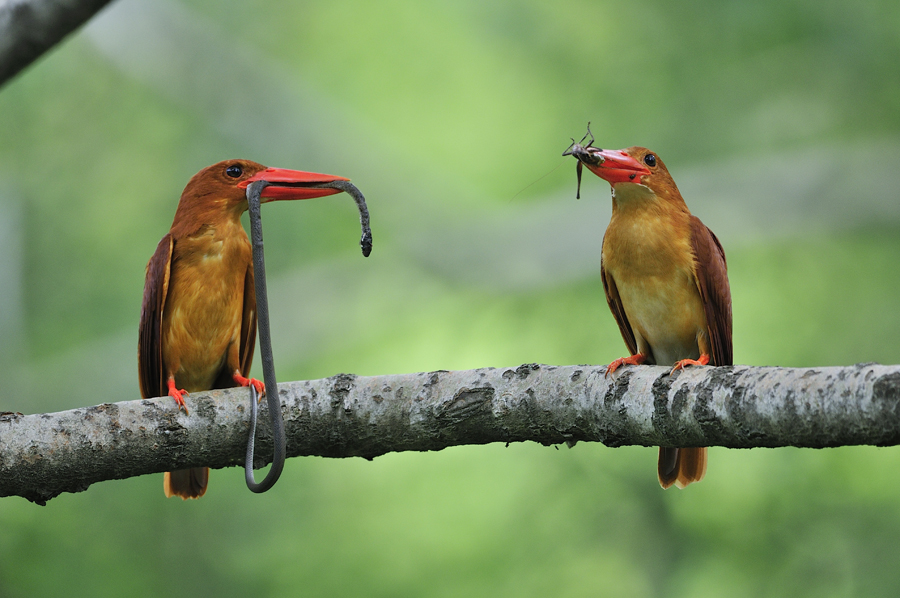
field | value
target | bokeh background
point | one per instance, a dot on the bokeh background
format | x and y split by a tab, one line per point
780	121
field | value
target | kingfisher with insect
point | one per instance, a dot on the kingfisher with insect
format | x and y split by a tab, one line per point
665	278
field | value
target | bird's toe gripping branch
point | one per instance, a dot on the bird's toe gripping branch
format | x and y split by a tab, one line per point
680	365
637	359
257	384
178	394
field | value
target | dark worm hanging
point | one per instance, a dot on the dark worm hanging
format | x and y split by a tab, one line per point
350	189
265	338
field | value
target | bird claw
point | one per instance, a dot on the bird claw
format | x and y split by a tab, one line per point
637	359
178	395
680	365
257	384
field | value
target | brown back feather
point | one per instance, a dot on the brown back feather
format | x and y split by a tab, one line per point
712	278
617	309
248	322
151	373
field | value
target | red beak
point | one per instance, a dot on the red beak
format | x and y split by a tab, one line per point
292	184
616	166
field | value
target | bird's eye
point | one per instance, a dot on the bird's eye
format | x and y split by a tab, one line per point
650	160
234	171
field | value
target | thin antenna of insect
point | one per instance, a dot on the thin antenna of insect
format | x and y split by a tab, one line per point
537	180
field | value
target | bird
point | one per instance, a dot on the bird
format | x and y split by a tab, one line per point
665	277
198	315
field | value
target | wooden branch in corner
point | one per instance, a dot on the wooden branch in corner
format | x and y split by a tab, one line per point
28	28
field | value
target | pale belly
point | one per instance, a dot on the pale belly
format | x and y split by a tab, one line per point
666	316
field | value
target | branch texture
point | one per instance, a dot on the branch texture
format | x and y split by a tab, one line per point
28	28
44	455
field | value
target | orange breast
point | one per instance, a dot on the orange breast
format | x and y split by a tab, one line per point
648	254
204	306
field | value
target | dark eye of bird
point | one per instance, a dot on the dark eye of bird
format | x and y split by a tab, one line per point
234	171
650	160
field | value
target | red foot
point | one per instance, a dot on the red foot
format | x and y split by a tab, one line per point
679	365
632	360
260	387
177	394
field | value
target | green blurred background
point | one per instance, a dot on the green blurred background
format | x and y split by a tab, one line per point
780	121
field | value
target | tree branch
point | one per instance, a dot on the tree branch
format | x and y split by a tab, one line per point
28	28
44	455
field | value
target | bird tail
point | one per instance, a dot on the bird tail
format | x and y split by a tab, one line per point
681	466
186	483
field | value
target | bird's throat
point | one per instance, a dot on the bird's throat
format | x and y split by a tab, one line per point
633	195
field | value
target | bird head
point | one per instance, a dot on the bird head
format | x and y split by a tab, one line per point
631	171
227	182
631	166
219	191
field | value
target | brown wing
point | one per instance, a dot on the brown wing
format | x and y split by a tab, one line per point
151	372
617	309
248	322
712	279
